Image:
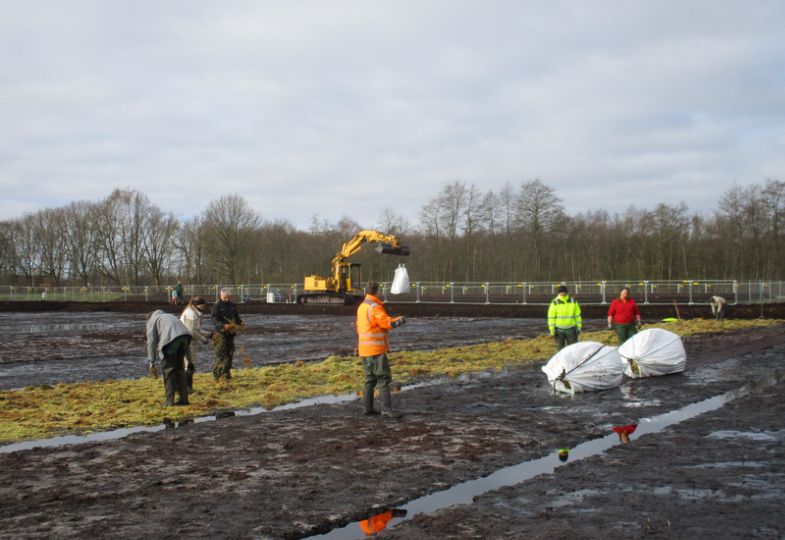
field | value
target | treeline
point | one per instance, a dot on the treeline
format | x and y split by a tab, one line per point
519	233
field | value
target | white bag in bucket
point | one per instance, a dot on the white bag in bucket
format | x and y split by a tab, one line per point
651	353
400	284
586	366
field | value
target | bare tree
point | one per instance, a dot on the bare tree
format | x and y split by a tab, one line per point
158	241
230	224
538	209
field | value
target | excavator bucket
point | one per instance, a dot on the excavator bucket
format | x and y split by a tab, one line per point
388	249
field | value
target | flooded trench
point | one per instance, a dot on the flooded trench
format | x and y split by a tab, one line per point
49	348
466	492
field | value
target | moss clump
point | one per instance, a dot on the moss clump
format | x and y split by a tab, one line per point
44	411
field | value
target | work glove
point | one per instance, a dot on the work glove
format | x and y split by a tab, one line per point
153	370
610	326
578	331
638	325
398	322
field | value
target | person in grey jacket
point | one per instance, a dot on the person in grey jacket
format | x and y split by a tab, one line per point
168	339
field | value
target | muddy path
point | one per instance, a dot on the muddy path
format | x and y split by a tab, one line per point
47	348
292	473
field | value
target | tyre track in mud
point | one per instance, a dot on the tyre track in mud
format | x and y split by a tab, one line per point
293	473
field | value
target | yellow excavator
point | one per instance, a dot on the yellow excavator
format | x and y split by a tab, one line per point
342	287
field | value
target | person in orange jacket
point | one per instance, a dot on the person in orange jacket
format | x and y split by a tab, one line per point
373	325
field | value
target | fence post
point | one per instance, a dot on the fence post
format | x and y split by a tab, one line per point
689	288
524	292
487	293
452	292
735	293
602	288
417	290
645	291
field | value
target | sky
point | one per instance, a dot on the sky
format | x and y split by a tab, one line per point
345	108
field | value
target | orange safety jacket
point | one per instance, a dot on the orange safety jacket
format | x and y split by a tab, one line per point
377	523
373	324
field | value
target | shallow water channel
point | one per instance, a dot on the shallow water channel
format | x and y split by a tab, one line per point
465	492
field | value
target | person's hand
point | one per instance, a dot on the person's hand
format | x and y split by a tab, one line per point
638	325
610	325
229	327
578	331
398	322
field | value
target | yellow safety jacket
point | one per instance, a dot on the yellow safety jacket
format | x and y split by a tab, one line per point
564	312
373	324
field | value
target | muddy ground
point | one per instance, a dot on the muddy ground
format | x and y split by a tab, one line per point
47	348
292	473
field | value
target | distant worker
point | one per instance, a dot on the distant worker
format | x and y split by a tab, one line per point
192	319
178	293
378	522
168	339
564	319
227	322
717	304
373	325
624	316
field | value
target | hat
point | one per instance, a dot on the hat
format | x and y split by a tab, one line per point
561	289
198	301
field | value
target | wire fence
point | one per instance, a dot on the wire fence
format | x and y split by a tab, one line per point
645	292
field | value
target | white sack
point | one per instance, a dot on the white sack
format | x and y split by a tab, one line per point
653	352
585	366
400	284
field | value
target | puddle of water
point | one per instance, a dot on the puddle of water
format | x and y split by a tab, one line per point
465	492
125	432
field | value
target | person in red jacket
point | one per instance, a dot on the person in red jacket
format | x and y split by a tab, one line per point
624	316
373	325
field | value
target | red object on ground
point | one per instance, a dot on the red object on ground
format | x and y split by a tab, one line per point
625	429
623	312
377	523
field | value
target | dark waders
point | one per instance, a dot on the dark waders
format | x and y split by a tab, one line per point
224	351
377	373
565	336
172	369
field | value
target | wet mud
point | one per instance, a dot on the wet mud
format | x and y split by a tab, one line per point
294	473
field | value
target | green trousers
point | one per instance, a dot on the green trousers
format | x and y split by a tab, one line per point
625	331
377	373
224	351
565	336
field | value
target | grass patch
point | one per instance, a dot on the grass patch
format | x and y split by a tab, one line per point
45	411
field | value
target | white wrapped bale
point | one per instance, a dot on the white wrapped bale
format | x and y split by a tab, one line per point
586	366
651	353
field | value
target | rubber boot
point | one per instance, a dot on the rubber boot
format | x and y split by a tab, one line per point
386	397
182	388
368	401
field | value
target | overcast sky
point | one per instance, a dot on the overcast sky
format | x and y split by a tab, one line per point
337	108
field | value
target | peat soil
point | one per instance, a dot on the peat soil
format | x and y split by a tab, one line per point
292	473
47	348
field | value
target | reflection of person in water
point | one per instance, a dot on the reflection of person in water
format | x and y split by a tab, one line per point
564	454
624	432
378	522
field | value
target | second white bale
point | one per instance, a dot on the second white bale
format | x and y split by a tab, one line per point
586	366
651	353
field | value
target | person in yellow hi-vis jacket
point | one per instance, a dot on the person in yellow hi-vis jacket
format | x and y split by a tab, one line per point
564	319
373	325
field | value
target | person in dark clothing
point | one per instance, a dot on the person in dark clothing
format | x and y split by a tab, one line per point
227	322
168	339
